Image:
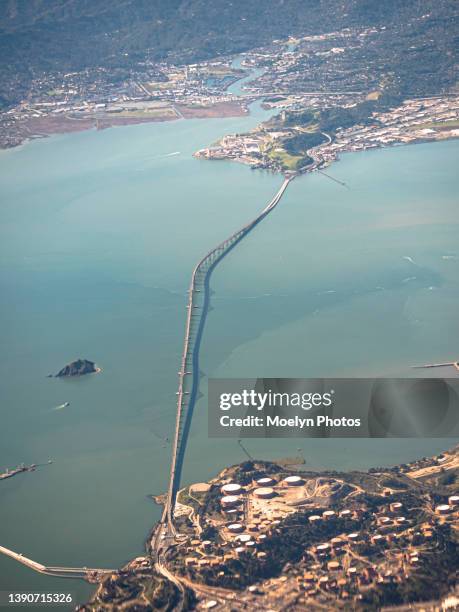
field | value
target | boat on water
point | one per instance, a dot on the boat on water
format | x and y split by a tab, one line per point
64	405
454	364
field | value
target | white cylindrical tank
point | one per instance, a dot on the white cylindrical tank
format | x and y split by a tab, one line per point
245	537
236	528
314	518
230	500
293	481
453	500
232	489
378	539
261	555
265	481
264	492
323	548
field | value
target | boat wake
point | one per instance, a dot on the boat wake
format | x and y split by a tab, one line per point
62	406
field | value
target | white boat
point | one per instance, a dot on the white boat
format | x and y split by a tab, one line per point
64	405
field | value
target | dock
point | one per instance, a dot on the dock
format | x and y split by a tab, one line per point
21	469
17	470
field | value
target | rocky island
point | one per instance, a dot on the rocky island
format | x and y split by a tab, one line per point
79	367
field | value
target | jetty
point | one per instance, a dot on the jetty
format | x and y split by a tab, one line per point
17	470
453	364
91	574
20	469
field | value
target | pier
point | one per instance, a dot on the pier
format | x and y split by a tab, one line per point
88	573
453	364
21	469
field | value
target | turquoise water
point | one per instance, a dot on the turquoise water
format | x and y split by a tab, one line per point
237	88
351	281
99	234
337	282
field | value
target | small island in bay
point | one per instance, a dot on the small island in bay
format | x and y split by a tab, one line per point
79	367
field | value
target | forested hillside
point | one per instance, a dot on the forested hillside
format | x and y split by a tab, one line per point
53	35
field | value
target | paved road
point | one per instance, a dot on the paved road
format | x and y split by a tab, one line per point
189	374
165	534
67	572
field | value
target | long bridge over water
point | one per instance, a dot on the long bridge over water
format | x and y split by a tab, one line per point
189	373
61	572
187	394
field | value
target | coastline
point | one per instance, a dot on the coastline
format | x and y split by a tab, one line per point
269	145
52	126
352	496
318	164
174	127
45	126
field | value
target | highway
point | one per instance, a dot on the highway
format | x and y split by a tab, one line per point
454	364
164	535
64	572
189	373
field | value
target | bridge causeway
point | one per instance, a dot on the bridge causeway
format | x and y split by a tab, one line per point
189	373
63	572
187	394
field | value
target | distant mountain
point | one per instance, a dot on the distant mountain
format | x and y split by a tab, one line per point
54	35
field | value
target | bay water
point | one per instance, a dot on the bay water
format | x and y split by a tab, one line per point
99	234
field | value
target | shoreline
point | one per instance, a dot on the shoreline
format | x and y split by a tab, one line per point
267	146
52	126
319	166
46	126
394	485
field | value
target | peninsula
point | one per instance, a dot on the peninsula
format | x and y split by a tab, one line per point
262	536
363	74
